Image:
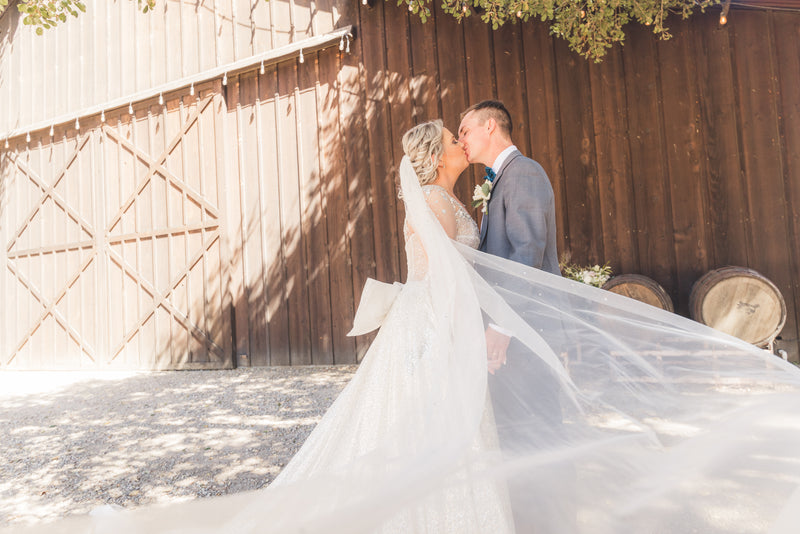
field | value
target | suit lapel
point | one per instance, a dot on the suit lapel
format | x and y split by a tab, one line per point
511	157
485	219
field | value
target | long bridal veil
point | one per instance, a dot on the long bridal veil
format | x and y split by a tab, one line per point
635	420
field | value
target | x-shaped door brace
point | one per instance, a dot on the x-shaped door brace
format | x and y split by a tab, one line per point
49	191
50	306
155	165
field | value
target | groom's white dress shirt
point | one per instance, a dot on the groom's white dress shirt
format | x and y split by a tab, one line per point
501	158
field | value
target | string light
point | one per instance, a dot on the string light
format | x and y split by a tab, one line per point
103	116
225	79
302	58
52	131
28	137
191	89
77	124
341	44
348	45
723	17
261	70
6	142
160	99
130	108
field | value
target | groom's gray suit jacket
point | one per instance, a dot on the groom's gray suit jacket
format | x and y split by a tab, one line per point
521	222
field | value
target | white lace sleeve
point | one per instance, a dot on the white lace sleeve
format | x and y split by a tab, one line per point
439	202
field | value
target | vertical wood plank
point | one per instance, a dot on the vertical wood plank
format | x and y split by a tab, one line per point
220	256
243	27
354	126
173	40
425	68
398	68
584	223
334	175
648	161
261	23
786	28
237	232
544	118
727	214
481	79
383	192
252	252
314	213
763	165
277	312
453	87
685	161
510	73
293	239
615	181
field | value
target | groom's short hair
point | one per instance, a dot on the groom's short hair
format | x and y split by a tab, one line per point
494	109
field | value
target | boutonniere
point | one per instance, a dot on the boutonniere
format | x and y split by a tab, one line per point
481	196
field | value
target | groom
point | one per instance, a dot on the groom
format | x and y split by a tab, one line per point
521	224
518	224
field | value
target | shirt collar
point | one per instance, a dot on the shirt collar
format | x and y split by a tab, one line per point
502	157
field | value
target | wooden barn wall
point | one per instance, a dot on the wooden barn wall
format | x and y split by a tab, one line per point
114	50
668	159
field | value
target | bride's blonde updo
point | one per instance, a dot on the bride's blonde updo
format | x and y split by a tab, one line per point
424	147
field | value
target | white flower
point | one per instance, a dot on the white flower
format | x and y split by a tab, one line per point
481	195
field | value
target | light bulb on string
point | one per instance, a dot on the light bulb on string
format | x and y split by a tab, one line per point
77	124
348	45
160	99
723	17
225	79
28	137
52	131
103	116
130	108
302	58
341	44
191	89
261	69
6	142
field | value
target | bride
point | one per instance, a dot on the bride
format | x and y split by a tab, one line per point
666	426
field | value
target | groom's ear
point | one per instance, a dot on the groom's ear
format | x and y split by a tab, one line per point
490	125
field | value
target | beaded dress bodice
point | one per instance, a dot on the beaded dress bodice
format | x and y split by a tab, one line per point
446	208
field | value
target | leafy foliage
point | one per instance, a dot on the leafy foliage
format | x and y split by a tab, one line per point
589	26
45	14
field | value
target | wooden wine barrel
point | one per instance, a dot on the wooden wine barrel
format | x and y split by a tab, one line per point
740	302
641	288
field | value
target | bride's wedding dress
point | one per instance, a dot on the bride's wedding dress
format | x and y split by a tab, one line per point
383	401
665	426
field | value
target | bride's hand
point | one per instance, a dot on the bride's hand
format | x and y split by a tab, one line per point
496	347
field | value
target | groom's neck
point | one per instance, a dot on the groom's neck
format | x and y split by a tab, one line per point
496	147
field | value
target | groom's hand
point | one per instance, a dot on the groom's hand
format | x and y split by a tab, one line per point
496	347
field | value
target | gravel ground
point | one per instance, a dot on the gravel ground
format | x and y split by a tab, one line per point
71	441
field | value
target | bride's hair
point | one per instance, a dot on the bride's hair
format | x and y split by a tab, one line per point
424	147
